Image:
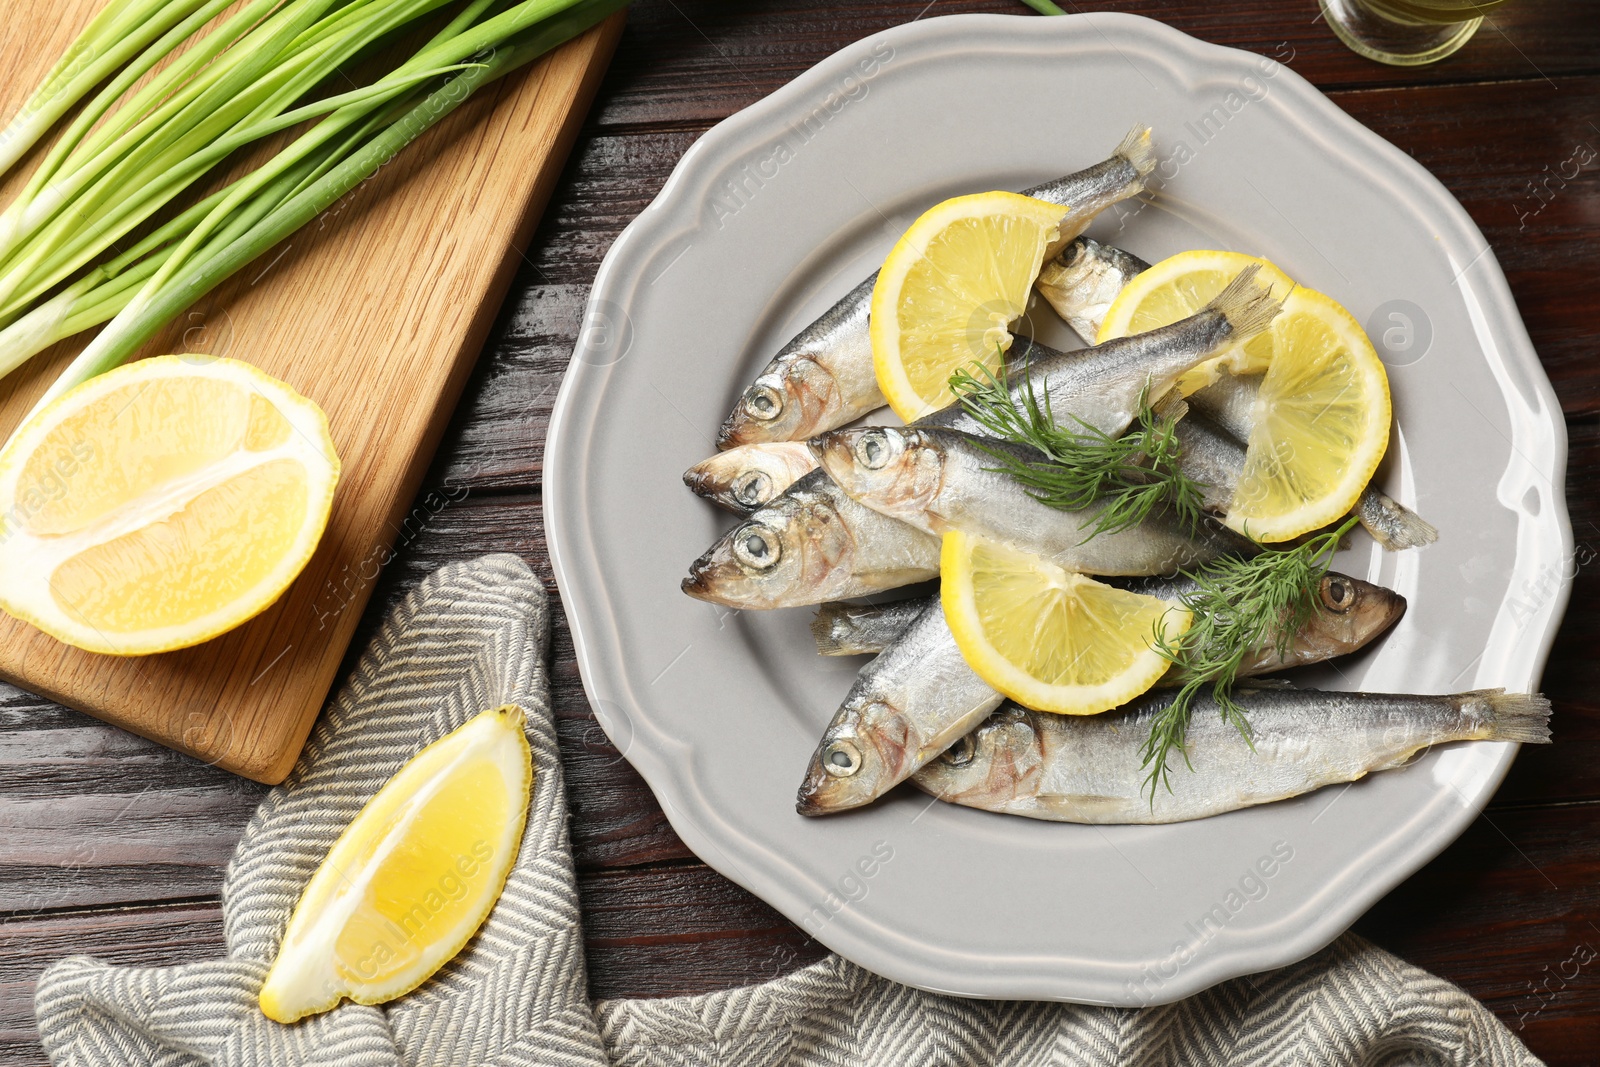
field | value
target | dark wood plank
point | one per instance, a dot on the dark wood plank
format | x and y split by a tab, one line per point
93	815
683	929
1502	150
1511	912
149	937
698	60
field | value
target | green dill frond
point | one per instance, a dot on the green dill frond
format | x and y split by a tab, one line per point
1129	475
1239	606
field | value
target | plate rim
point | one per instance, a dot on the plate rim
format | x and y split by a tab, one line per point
1514	362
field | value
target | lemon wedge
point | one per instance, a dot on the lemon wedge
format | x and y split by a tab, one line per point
162	503
1321	423
412	878
949	291
1049	638
1181	285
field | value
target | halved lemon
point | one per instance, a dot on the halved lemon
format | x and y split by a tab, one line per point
413	876
162	503
1181	285
1321	423
1049	638
950	290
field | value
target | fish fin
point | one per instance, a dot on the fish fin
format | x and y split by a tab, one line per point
1172	406
1392	524
1521	717
1138	151
830	618
1247	305
1092	808
1264	682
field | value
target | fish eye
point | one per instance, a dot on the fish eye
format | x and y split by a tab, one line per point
874	450
752	489
763	402
841	759
960	754
1337	594
1074	251
756	547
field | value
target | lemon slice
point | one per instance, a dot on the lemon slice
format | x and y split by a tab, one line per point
1178	287
1321	423
1049	638
949	291
162	503
412	878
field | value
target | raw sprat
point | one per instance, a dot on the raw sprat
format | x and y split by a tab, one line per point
907	704
1085	507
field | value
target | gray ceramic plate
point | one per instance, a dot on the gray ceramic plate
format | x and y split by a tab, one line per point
778	211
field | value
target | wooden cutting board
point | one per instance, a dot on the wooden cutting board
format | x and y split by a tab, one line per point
377	312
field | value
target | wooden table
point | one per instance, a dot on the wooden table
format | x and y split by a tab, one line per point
113	846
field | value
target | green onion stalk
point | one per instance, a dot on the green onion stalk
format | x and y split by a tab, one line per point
495	47
103	191
129	153
121	30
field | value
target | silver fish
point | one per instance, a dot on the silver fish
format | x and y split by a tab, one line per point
1084	279
824	377
906	707
1211	458
1090	769
1104	386
1349	614
939	480
810	545
749	477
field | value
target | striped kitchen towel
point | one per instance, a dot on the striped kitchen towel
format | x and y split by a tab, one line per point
473	636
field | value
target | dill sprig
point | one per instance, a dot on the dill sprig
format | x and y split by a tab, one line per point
1239	607
1130	475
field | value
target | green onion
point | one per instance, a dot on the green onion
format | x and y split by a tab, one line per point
121	29
518	35
118	168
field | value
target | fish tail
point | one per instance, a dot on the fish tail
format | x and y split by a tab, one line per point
1521	717
1392	524
832	629
1248	306
1140	153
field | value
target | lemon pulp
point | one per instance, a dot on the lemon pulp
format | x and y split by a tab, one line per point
949	291
1321	423
162	503
413	876
1049	638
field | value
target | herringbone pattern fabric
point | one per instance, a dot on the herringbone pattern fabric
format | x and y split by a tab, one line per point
472	637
